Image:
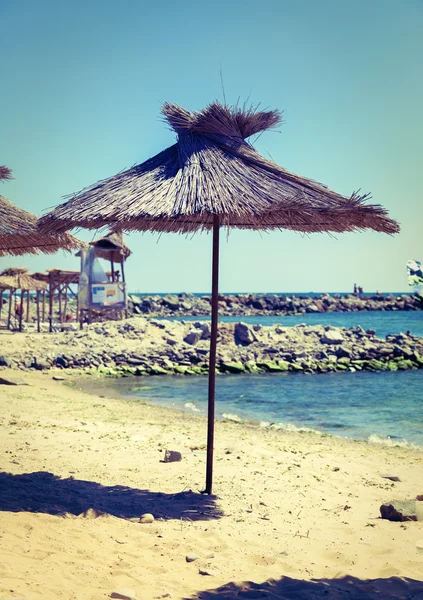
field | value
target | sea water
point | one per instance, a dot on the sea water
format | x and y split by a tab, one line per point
382	407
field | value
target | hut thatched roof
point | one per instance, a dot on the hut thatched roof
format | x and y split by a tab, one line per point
111	247
18	278
58	276
19	234
212	170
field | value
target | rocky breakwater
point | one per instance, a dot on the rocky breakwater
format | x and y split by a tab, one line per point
142	346
269	304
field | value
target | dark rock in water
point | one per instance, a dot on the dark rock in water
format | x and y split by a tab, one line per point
313	308
135	300
171	302
186	306
244	334
399	510
343	352
135	362
235	367
157	370
259	304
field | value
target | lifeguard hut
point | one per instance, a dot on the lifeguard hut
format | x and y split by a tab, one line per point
102	294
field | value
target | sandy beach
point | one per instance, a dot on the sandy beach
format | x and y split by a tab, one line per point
295	514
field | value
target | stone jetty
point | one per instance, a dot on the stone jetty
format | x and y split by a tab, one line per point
144	346
269	304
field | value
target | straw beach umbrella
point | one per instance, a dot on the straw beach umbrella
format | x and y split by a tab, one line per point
19	234
18	278
212	178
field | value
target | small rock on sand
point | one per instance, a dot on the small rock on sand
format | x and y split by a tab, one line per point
11	381
172	456
191	557
399	510
124	594
147	518
208	572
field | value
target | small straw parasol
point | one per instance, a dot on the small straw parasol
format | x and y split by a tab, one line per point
19	234
18	278
212	178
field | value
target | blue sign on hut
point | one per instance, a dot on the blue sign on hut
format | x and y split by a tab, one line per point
212	178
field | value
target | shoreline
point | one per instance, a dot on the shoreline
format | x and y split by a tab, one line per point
80	469
106	387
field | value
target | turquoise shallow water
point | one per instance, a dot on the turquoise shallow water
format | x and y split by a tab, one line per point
386	407
359	405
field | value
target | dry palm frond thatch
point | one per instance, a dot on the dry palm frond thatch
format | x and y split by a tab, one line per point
19	234
212	170
18	278
5	173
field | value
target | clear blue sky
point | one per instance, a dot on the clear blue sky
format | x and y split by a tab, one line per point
82	84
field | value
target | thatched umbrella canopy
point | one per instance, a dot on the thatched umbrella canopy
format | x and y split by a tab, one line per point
19	234
212	178
18	278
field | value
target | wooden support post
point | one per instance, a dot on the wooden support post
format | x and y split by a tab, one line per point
38	311
21	309
9	316
27	305
50	301
60	297
65	287
44	305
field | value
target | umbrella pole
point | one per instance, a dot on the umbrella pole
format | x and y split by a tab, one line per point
212	359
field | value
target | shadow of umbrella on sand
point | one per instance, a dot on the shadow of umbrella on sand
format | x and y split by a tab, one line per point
213	178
